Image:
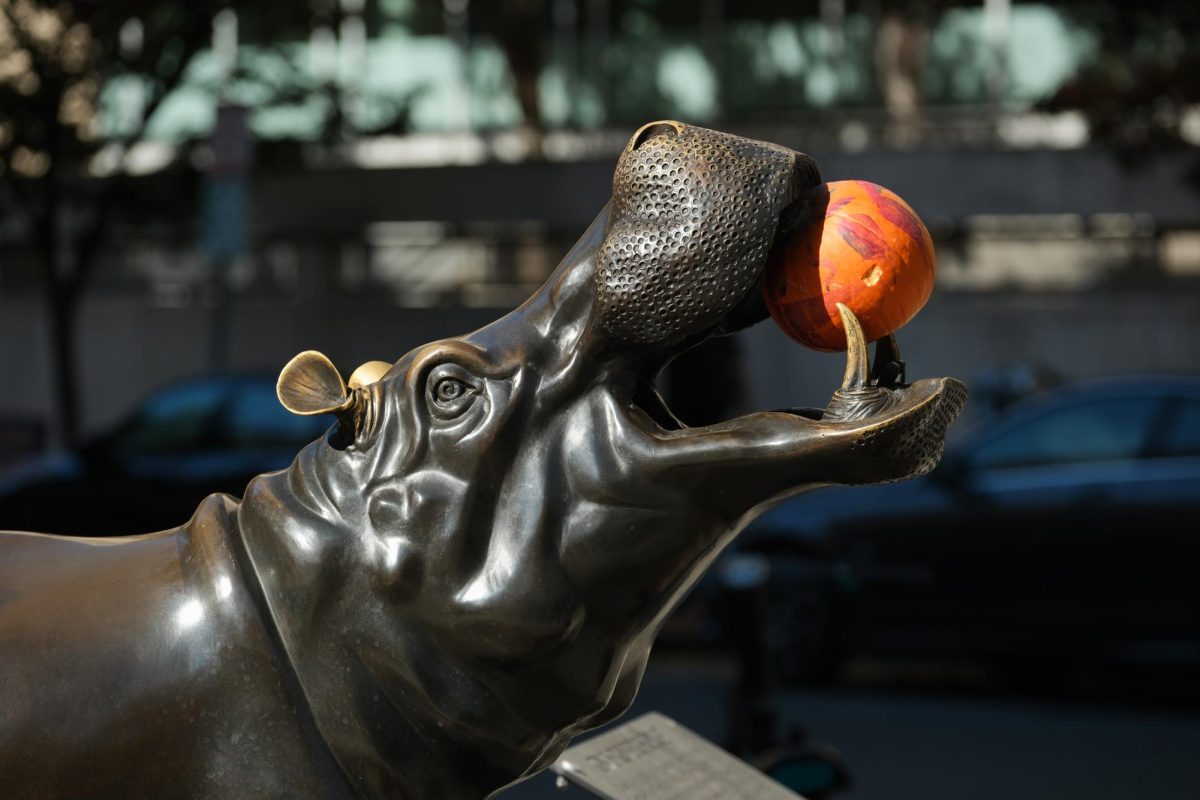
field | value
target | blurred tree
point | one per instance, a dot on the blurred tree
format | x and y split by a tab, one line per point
1144	76
57	60
55	57
520	27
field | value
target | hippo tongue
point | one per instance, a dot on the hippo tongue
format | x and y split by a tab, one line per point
694	216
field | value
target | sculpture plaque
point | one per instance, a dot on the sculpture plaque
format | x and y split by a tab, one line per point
471	567
653	757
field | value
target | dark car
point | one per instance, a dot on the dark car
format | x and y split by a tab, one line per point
183	443
1064	531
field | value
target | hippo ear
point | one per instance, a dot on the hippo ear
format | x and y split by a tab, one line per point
309	384
368	373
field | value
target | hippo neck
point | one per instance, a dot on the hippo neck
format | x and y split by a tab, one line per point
371	682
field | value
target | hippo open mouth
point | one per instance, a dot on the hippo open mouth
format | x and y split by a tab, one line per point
694	216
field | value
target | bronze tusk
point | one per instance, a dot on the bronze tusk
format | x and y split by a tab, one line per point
855	378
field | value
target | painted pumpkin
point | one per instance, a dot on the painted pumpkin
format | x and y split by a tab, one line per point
870	251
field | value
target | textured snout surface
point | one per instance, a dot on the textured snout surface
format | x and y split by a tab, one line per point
909	444
694	215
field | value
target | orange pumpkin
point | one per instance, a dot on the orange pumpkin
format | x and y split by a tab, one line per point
870	251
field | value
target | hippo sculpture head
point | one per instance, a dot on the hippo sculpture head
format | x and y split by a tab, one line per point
471	567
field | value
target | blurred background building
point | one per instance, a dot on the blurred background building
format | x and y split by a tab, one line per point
200	186
426	163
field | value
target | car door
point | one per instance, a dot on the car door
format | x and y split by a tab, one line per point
1017	541
153	471
260	435
1166	603
1055	549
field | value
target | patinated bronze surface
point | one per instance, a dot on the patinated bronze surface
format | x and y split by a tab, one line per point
472	566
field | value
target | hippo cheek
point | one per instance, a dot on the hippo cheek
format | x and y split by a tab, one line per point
418	529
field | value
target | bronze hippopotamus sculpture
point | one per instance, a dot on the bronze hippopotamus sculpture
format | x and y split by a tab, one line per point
471	567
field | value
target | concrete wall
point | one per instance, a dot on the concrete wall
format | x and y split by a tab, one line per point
128	348
943	185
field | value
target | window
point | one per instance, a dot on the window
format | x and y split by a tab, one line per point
1101	430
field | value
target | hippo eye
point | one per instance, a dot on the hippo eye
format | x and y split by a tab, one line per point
451	390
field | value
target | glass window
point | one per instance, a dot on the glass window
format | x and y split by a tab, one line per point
178	420
1097	431
257	420
1182	436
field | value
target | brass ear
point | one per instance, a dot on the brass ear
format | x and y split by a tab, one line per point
309	385
368	373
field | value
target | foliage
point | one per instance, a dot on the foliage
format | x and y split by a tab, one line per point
56	57
1146	72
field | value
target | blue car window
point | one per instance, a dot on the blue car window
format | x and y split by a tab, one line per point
176	420
1182	436
255	420
1102	430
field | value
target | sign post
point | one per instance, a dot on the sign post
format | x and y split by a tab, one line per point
225	215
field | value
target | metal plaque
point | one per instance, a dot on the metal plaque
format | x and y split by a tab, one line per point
653	757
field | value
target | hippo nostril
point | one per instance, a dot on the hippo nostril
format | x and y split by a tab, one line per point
654	130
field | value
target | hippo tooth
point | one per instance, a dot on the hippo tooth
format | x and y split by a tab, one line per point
860	396
855	378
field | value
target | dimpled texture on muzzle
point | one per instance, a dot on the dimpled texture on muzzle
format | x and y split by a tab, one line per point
913	444
693	218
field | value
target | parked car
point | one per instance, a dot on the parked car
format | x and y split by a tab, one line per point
20	437
150	472
1063	531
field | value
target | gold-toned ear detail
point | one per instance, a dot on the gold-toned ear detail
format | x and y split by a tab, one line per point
368	373
309	384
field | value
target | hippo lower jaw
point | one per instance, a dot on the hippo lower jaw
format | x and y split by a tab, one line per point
875	429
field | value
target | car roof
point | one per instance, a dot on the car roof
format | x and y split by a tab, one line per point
1084	391
1125	385
230	379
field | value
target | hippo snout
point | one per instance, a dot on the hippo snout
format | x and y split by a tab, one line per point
694	214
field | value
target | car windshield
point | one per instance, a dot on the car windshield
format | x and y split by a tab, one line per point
257	420
177	420
1100	430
